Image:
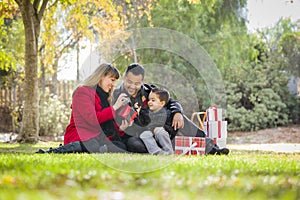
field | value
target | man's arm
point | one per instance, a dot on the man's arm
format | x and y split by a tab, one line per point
174	106
177	113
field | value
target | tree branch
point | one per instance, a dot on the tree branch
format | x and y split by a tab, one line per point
69	45
42	47
18	2
36	4
64	41
43	8
55	2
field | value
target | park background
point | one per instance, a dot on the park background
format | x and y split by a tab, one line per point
258	62
259	68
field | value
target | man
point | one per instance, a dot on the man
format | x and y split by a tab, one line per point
138	93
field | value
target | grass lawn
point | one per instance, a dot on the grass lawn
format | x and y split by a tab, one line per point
241	175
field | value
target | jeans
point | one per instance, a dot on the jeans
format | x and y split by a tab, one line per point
136	145
152	141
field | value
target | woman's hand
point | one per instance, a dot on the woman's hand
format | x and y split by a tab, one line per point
122	100
125	124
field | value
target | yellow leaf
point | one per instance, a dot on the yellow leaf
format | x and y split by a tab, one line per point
194	1
9	180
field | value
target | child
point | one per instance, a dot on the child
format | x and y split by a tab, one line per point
156	138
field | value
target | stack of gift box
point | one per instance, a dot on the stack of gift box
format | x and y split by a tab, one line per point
215	127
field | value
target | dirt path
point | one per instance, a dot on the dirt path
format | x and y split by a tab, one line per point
289	134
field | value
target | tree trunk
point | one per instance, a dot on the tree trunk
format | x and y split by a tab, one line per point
54	77
30	124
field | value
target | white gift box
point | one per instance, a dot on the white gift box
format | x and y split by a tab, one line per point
214	114
215	129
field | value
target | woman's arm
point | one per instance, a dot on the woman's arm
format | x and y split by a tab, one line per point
87	106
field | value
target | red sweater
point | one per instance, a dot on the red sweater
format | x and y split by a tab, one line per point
87	115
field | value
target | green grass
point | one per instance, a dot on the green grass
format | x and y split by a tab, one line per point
241	175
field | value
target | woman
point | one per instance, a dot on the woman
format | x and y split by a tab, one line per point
92	127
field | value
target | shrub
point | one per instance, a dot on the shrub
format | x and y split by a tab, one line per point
54	116
258	97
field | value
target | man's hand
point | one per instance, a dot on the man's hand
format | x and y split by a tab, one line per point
178	121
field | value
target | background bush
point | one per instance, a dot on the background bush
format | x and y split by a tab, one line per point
54	116
258	97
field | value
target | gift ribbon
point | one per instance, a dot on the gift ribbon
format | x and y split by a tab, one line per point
219	129
190	148
215	110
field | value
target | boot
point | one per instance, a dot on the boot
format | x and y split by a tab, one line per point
213	149
44	151
41	151
209	147
218	151
73	147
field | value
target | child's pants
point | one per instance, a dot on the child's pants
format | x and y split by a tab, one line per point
161	138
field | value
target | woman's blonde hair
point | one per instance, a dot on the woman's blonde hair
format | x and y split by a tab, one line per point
100	72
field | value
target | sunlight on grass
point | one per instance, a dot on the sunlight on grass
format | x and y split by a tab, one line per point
135	163
241	175
25	148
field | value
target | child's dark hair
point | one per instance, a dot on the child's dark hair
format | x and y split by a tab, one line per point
162	94
136	69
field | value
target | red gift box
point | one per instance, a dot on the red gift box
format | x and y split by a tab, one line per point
127	112
189	145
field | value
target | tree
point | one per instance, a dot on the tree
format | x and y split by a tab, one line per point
133	14
99	17
67	26
11	54
289	45
32	14
218	26
258	94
